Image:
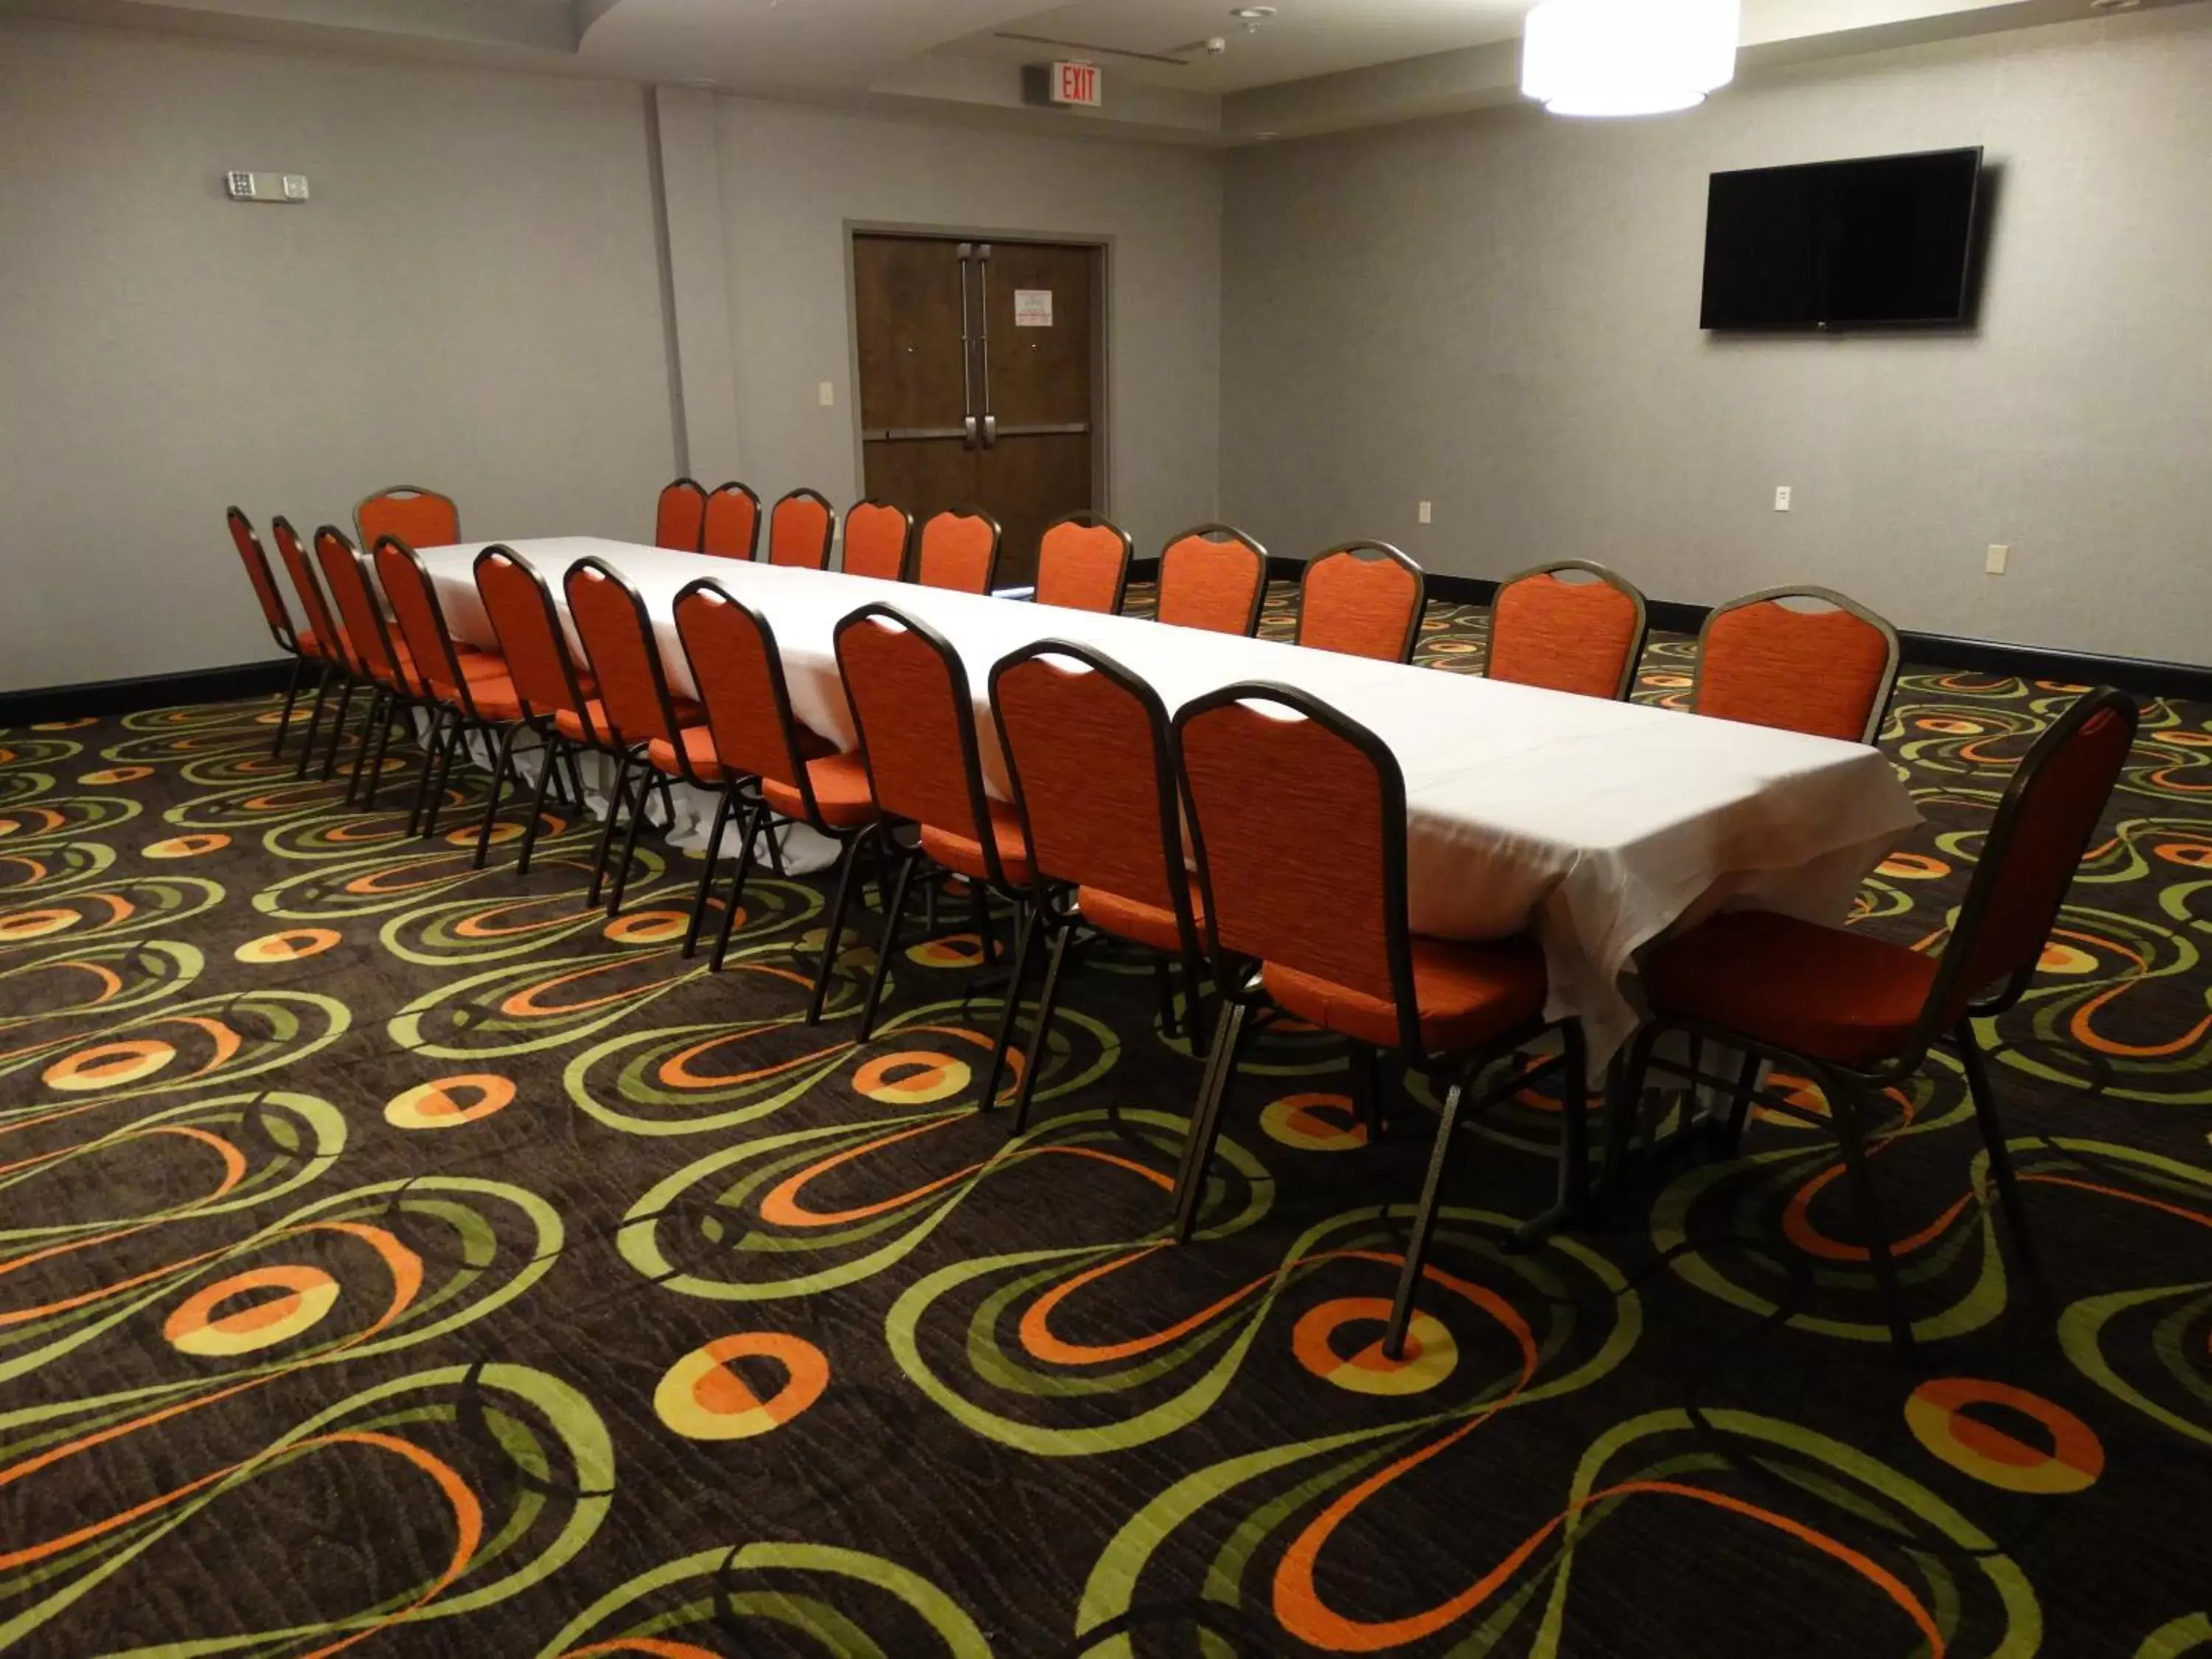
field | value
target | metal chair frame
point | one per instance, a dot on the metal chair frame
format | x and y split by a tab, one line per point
828	527
906	542
1221	535
732	488
1085	519
1878	714
1392	554
1634	656
920	556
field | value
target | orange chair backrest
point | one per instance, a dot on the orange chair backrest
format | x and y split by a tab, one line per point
1583	635
876	538
916	721
347	583
731	528
328	637
1083	564
611	620
959	551
800	531
531	639
1213	578
2035	844
264	578
414	604
419	517
1301	833
1362	600
1087	749
1824	672
740	679
680	517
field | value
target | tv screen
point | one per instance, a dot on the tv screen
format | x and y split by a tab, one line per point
1887	240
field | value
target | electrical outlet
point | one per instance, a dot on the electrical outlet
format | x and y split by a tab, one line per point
1428	512
828	395
1781	498
241	185
1998	557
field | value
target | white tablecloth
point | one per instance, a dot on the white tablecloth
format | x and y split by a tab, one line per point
1596	825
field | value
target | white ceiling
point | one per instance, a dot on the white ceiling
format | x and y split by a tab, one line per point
1306	38
1317	66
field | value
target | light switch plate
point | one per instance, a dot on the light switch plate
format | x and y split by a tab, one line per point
1998	557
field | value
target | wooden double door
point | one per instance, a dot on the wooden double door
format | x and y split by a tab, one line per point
979	380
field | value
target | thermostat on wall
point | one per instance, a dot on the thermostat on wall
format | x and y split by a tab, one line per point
266	186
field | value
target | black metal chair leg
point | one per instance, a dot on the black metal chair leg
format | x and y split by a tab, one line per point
1025	932
1163	987
848	865
368	759
1844	1108
1621	1111
1425	1221
1985	1117
630	842
456	745
555	749
501	762
615	802
775	851
1193	1007
1205	1120
707	874
1041	1027
746	831
291	697
1747	1080
1574	1123
314	723
890	943
337	730
433	745
1366	1096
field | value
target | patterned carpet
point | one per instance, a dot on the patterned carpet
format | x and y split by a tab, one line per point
401	1258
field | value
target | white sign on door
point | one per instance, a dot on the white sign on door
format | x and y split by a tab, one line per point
1032	307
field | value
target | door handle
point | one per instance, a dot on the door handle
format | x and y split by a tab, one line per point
967	353
983	289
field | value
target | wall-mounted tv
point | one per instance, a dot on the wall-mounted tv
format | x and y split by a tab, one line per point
1883	242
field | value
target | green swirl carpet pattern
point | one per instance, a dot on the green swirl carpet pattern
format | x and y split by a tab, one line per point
401	1259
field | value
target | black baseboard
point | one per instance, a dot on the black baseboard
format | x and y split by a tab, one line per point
104	697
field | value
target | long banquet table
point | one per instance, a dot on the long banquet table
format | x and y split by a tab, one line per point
1595	826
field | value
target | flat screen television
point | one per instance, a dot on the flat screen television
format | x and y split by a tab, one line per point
1883	242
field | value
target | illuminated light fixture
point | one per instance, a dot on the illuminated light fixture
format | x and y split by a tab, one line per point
1628	56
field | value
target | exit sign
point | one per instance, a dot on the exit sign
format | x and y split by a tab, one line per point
1077	84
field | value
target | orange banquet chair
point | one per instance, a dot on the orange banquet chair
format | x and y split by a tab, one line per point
331	642
1298	826
1802	659
555	696
731	528
398	688
479	694
1213	577
1083	564
419	517
800	528
1857	1015
1363	599
876	538
1567	626
300	644
959	550
679	518
647	731
785	771
916	721
1088	757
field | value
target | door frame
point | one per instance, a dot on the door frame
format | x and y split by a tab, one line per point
1102	391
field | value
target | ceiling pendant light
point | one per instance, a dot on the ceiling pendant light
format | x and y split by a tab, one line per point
1628	56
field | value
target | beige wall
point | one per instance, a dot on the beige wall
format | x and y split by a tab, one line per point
1499	313
792	179
471	300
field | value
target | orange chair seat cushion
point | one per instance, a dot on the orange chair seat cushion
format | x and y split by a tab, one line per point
1133	919
496	699
1826	993
964	855
568	725
1468	994
698	749
841	792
